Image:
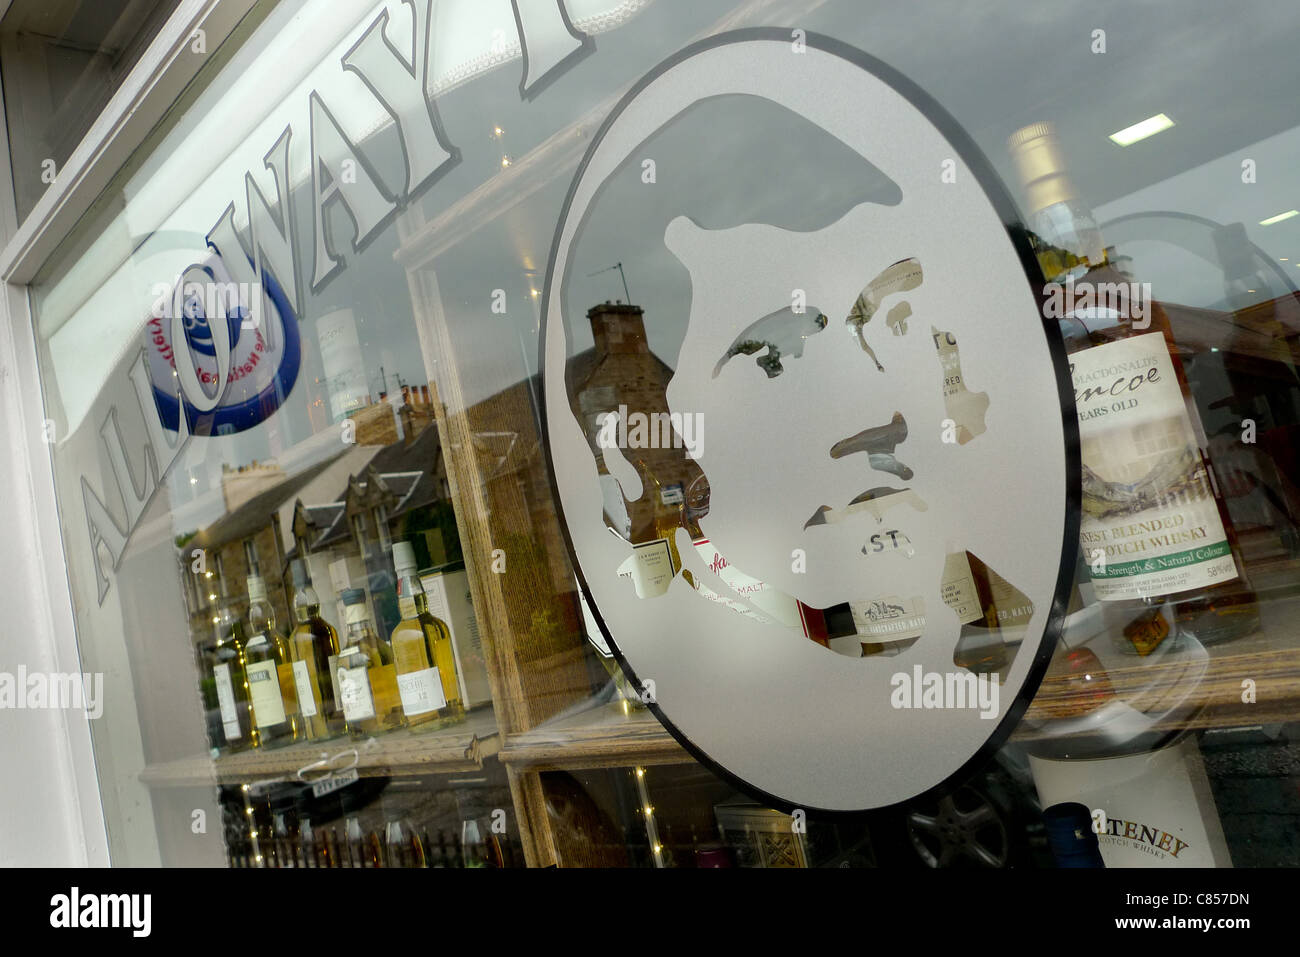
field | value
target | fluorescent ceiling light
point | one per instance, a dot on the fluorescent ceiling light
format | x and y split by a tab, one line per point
1140	131
1279	217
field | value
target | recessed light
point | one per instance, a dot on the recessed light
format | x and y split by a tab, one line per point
1279	217
1140	131
1283	259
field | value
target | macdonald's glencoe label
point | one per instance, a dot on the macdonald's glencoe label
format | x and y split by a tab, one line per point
1150	524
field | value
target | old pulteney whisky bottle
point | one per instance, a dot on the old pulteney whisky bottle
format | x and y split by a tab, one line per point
313	645
367	680
426	663
1155	533
269	669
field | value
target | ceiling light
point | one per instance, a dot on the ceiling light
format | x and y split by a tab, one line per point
1140	131
1279	217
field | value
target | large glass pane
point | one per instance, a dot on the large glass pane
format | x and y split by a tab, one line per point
396	337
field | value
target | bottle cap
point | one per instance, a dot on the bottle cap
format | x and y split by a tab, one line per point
353	596
1040	162
403	556
298	568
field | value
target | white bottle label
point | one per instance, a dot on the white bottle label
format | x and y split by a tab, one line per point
264	690
226	702
354	692
650	567
958	588
763	596
302	684
421	692
1150	524
888	619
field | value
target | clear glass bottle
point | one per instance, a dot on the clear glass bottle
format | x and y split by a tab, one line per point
313	646
367	679
402	845
427	679
269	670
226	669
1155	530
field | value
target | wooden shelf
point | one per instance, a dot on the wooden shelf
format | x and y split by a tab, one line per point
461	747
600	737
603	736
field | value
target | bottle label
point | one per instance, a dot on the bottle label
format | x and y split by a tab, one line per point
264	690
226	702
1013	608
958	588
763	596
354	693
302	684
650	567
421	692
889	619
1150	523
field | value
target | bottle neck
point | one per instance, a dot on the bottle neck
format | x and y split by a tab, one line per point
411	599
358	624
306	604
261	615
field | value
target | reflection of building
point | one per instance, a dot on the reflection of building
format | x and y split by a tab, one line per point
620	373
240	485
391	484
253	521
401	495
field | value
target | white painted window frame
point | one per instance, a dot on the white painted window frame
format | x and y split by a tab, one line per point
71	831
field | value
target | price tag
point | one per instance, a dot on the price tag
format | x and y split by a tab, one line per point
332	784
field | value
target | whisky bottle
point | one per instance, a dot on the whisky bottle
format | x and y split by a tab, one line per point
402	845
226	661
269	669
367	680
313	646
1154	529
427	679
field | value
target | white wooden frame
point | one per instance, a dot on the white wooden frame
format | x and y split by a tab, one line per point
51	801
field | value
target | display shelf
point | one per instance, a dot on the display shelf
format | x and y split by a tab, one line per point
1269	660
460	747
601	736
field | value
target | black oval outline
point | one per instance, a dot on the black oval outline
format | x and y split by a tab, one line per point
1000	198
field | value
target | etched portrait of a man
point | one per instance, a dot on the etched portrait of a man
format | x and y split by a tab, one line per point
881	425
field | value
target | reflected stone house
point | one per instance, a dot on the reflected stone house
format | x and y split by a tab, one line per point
390	485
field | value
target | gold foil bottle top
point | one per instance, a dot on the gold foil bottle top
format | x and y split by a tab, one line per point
1040	163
